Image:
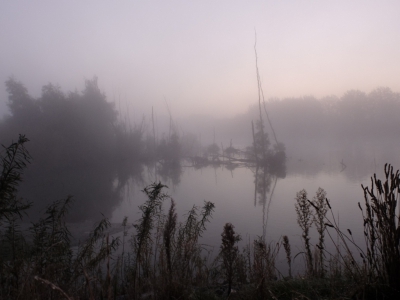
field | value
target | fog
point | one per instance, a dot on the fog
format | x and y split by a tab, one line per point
105	90
233	114
199	56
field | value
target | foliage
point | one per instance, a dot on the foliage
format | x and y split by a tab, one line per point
212	151
354	115
229	252
170	149
51	247
13	163
382	228
286	246
167	260
142	241
321	209
305	220
79	145
261	143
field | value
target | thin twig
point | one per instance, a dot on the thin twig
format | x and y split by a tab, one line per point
53	286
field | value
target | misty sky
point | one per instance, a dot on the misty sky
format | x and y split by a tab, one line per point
199	55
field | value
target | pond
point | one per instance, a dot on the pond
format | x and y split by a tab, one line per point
338	171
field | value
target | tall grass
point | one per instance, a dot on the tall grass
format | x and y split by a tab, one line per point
382	229
166	259
321	209
229	252
305	220
14	160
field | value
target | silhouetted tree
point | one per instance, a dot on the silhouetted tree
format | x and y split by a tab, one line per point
19	101
76	142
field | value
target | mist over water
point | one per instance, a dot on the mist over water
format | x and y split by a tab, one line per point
82	146
272	214
229	114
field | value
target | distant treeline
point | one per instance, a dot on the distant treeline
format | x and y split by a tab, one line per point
355	115
81	146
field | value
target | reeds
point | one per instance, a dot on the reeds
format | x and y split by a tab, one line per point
286	246
229	252
166	259
305	220
321	209
382	228
13	161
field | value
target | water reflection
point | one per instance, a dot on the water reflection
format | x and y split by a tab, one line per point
263	194
97	189
361	158
170	172
101	187
260	203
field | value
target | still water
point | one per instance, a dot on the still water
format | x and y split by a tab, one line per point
236	201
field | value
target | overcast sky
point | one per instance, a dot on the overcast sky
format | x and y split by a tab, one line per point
199	55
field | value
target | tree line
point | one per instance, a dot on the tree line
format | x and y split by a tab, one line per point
354	116
80	146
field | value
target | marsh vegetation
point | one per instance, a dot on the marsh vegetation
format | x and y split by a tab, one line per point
80	146
163	258
83	146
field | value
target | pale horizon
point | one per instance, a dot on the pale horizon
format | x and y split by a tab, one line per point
199	56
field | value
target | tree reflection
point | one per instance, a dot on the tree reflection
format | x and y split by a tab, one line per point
170	171
263	193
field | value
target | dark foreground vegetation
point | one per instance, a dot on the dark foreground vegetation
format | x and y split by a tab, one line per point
163	257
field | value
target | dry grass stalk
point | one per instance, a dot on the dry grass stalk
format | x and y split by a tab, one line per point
321	209
229	252
382	227
286	246
53	286
305	220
